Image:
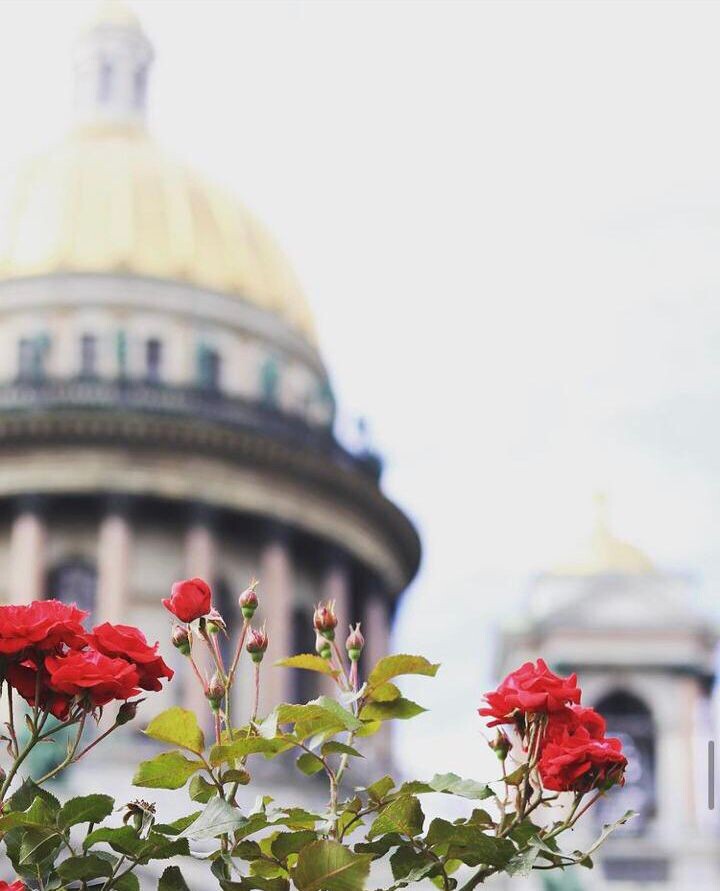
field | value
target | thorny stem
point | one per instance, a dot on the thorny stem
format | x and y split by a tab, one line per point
70	755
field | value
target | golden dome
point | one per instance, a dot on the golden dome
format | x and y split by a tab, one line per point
603	553
108	201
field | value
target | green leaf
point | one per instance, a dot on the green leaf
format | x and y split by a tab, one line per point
330	866
410	865
460	841
309	764
309	662
333	747
386	693
255	883
397	708
346	718
251	745
26	795
380	788
403	815
85	809
88	866
218	818
37	844
452	784
179	727
176	826
171	770
201	790
172	880
127	882
286	843
522	863
393	666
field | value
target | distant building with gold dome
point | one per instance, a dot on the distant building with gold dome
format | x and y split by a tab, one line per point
646	660
164	408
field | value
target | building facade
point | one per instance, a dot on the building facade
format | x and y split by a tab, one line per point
164	407
646	660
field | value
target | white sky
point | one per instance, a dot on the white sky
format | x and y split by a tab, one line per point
507	218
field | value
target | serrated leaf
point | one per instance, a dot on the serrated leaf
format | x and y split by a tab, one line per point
452	784
309	764
404	815
386	693
88	866
218	818
380	788
37	844
251	745
330	866
400	708
172	880
201	790
85	809
309	662
127	882
179	727
333	747
170	770
286	843
393	666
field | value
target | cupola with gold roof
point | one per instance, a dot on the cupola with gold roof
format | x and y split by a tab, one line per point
107	200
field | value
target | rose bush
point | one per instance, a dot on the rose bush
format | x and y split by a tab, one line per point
556	762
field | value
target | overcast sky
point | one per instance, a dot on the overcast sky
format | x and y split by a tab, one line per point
507	219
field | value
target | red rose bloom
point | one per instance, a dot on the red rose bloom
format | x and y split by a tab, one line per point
89	673
126	642
575	718
23	677
532	688
42	625
189	599
16	886
578	763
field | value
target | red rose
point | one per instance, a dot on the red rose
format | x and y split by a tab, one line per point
89	673
126	642
578	763
16	886
575	718
530	689
189	599
42	625
23	677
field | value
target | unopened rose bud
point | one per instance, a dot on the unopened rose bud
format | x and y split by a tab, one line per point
257	644
322	646
248	600
127	712
215	622
501	745
215	691
354	643
181	639
325	620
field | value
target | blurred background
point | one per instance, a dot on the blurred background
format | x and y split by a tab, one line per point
505	217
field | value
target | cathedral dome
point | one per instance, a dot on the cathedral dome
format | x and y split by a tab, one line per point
107	200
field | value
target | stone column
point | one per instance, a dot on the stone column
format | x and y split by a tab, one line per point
200	561
28	537
277	596
335	585
113	563
376	629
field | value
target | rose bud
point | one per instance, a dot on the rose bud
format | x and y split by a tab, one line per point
501	745
215	622
325	620
248	600
354	643
215	691
189	599
257	644
181	639
322	646
127	712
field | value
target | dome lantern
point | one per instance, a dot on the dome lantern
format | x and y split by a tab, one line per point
112	60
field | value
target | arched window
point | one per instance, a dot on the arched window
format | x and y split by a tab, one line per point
74	581
153	360
208	368
270	382
630	719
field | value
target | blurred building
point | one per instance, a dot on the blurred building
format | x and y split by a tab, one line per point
164	407
646	660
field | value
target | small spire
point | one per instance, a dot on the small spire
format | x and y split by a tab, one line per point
112	61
